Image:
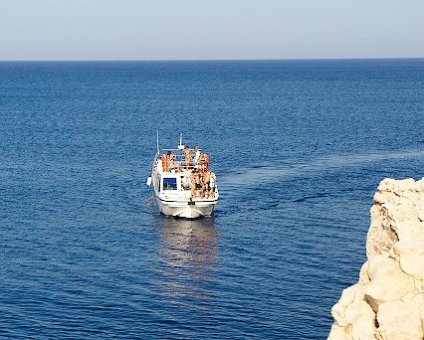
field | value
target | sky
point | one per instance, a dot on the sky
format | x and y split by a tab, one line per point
210	29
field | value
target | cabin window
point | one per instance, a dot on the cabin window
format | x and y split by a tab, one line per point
169	184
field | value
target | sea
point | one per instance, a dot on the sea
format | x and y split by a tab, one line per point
299	148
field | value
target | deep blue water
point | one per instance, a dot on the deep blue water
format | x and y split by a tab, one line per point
299	148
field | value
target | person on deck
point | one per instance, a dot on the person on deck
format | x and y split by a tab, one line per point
196	184
206	162
212	181
205	182
187	158
196	155
201	162
164	163
172	163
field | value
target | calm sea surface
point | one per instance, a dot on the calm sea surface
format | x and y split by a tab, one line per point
299	148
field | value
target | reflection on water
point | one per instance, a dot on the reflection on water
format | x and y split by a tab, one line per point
189	252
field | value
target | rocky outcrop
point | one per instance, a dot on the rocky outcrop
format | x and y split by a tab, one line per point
388	301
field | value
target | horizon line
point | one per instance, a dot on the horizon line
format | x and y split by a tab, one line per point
207	60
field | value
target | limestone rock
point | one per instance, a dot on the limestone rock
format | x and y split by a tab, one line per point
384	271
401	319
388	300
354	318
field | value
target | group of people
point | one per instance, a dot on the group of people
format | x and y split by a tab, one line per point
169	162
202	179
202	183
200	162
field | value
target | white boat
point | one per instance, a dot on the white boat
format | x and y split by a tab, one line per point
174	185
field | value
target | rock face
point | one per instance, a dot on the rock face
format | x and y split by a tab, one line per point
388	301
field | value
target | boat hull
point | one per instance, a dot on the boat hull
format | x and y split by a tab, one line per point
186	209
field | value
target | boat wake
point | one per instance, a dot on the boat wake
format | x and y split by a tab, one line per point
253	176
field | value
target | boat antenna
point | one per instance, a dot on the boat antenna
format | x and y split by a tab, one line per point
181	146
157	141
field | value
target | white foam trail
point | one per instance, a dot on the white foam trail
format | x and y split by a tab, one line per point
247	177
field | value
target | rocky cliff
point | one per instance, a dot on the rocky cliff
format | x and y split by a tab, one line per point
388	300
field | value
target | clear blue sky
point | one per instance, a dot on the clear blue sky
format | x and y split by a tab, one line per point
210	29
